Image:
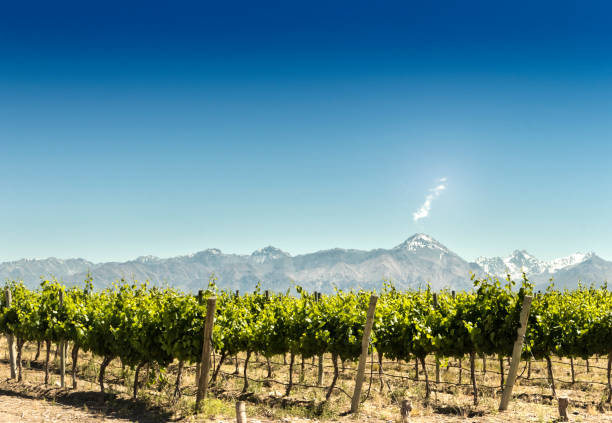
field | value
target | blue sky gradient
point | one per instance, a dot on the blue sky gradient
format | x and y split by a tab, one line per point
167	128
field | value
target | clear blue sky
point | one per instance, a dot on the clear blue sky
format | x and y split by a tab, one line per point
136	128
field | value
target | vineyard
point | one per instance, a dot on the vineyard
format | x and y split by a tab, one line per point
440	341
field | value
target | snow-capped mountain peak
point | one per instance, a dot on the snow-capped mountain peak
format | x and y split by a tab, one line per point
570	260
213	251
521	261
205	254
420	241
268	253
515	264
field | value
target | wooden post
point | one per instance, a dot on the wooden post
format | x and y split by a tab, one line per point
405	410
365	342
563	403
516	354
435	304
211	305
198	364
241	416
62	349
320	367
10	340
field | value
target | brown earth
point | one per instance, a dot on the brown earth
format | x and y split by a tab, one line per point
31	401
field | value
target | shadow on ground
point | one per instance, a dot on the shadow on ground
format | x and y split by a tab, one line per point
96	403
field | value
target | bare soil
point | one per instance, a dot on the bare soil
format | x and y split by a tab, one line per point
32	401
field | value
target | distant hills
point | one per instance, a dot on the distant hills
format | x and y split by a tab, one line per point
415	262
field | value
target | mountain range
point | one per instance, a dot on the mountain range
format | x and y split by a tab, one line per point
415	262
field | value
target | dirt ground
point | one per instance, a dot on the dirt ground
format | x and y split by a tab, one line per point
31	401
14	408
29	404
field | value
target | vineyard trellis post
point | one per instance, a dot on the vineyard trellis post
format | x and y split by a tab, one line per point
241	416
435	304
563	402
320	366
516	354
10	340
365	343
62	349
454	295
211	305
197	372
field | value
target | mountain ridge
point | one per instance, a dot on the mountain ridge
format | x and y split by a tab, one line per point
417	261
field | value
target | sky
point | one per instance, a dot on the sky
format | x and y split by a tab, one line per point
165	128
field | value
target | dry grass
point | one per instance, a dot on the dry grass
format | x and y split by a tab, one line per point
31	401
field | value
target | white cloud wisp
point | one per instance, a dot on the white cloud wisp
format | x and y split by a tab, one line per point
426	207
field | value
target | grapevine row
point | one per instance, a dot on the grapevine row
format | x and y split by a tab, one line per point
140	324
